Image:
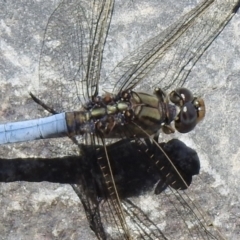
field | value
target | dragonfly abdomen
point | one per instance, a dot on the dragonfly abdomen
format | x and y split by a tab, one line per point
48	127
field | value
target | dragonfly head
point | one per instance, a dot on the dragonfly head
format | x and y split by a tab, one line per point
191	109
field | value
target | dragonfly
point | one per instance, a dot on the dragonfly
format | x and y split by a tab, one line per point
128	73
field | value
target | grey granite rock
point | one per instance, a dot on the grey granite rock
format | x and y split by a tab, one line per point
53	211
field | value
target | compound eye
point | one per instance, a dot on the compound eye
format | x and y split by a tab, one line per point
187	118
181	96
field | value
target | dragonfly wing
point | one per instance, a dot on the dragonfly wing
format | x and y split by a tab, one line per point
71	55
171	54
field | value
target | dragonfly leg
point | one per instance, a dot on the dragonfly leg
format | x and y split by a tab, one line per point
161	95
41	103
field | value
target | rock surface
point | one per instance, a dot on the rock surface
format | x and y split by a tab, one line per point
53	211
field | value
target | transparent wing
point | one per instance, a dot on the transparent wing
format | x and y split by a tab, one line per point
171	54
71	55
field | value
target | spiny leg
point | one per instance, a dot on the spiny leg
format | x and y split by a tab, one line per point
42	104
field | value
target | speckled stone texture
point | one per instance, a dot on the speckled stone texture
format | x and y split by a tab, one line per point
53	211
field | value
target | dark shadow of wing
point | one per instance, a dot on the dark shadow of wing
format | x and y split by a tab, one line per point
137	177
